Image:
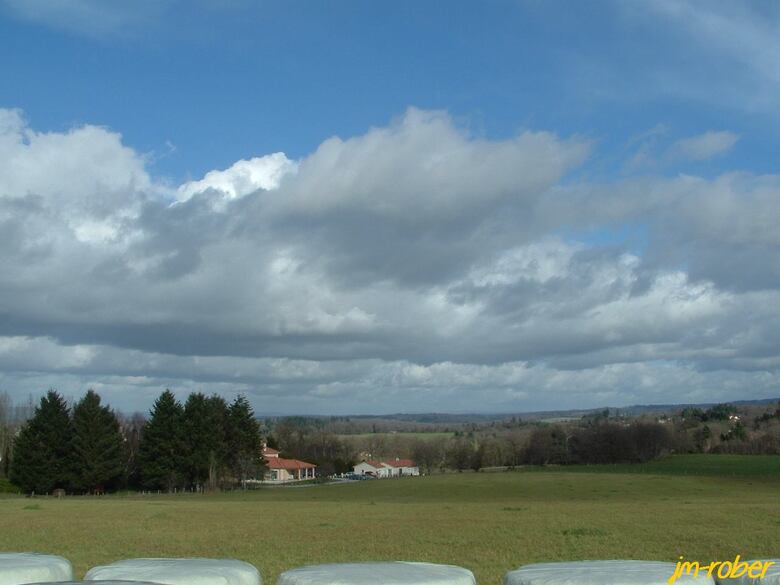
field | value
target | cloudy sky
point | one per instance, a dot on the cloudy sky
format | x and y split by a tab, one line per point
352	207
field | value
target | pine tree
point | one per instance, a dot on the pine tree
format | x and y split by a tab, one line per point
219	418
7	460
204	423
98	454
161	453
244	441
196	431
40	457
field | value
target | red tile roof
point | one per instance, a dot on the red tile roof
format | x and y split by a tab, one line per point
400	463
277	463
392	463
377	464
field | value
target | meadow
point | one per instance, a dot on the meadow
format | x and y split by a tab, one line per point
487	522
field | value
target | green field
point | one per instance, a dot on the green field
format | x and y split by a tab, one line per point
487	522
756	466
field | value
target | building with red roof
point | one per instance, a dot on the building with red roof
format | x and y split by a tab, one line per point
280	470
387	468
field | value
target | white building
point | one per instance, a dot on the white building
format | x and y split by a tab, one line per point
284	470
388	468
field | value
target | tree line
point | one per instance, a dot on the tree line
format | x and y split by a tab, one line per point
204	443
600	441
593	439
597	437
310	440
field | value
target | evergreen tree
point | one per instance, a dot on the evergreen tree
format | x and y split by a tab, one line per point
161	455
205	420
196	438
6	432
244	441
98	455
40	457
7	460
218	419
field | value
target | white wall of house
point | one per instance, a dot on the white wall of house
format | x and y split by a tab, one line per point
364	468
282	475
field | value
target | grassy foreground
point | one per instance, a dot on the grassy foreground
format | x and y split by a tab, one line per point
487	522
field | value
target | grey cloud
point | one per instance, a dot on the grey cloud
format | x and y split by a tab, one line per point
420	189
365	387
413	265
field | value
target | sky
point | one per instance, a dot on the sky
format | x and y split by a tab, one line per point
361	208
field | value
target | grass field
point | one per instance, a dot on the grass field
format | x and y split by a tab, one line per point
757	466
488	522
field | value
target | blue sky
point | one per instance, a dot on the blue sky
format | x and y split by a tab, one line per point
221	81
364	207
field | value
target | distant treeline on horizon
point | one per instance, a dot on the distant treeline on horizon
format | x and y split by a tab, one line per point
207	444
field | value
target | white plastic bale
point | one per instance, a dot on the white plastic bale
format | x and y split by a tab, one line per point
95	583
21	568
602	573
771	577
178	572
378	573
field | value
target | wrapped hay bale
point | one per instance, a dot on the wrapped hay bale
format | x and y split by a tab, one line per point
378	573
178	572
602	573
771	576
19	568
94	583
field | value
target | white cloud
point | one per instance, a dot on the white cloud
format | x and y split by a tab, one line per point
243	177
424	167
413	265
85	177
704	146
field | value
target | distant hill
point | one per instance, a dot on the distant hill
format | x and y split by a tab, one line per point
440	418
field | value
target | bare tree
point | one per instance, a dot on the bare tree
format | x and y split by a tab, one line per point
459	454
23	412
428	454
515	447
131	428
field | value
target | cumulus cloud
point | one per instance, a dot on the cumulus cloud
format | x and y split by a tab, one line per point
409	267
704	146
243	177
420	189
85	177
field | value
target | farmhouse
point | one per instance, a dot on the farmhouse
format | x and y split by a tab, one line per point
283	470
389	468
